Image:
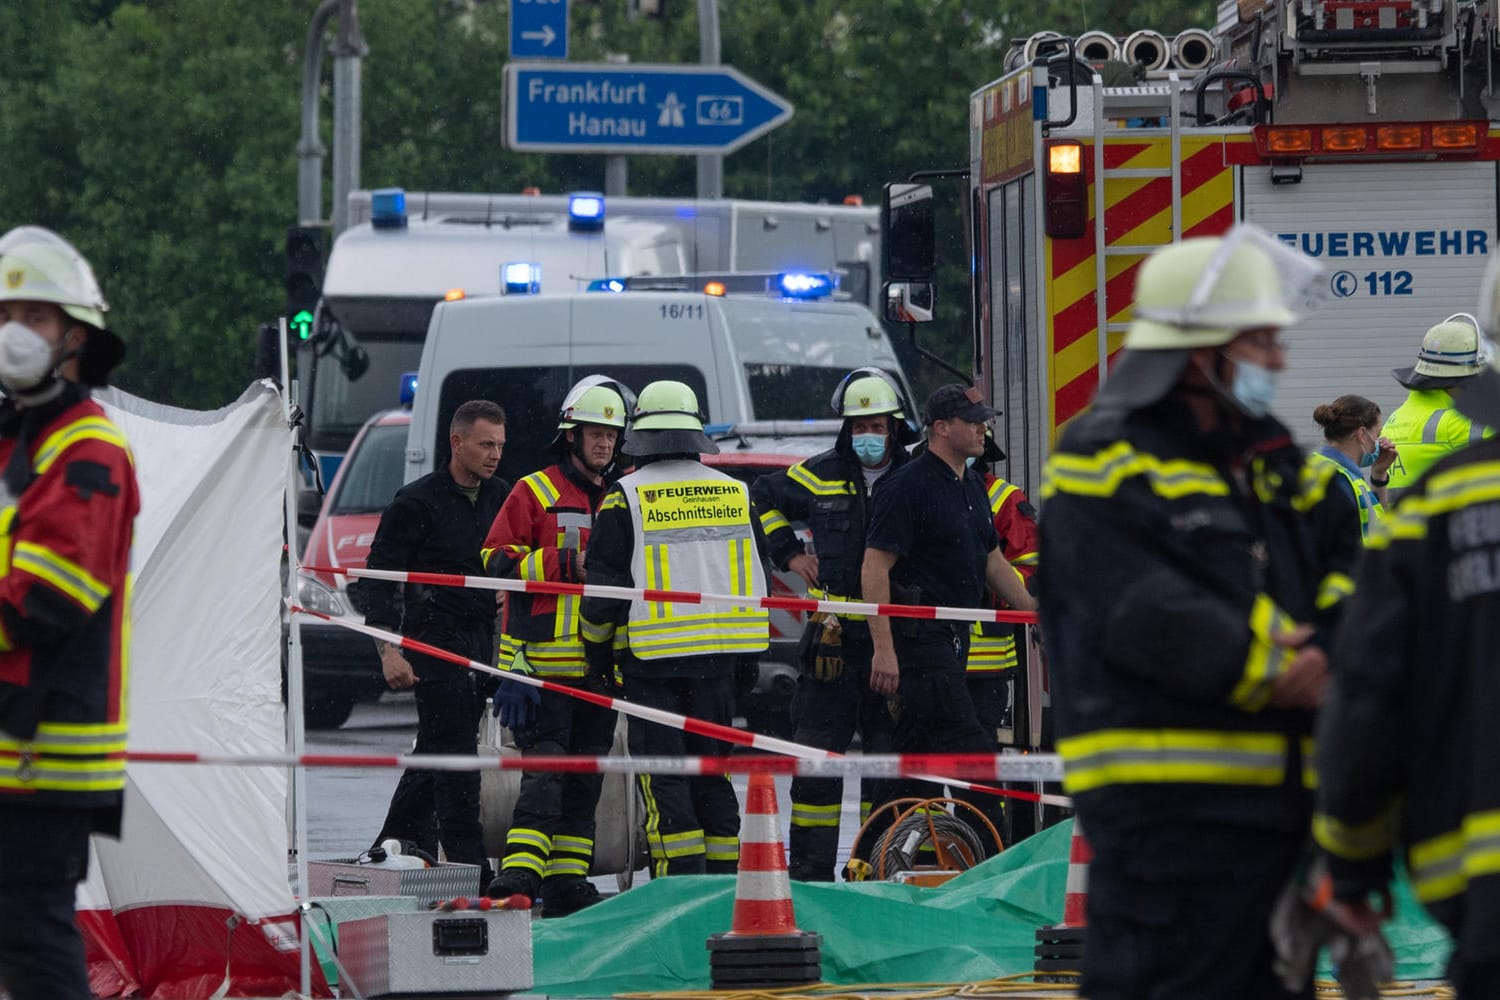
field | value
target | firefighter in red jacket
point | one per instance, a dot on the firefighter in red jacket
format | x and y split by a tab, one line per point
542	533
67	510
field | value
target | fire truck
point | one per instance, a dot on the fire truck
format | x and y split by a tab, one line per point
1361	132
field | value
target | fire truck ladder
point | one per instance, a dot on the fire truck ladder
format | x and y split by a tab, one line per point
1154	100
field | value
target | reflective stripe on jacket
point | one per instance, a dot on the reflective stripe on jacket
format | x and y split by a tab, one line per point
992	645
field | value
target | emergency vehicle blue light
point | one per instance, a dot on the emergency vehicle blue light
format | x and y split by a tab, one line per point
521	277
388	208
805	285
586	211
408	388
712	429
607	285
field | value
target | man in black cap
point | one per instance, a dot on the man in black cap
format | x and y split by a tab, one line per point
932	540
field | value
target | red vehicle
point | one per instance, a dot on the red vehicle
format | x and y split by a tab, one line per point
340	667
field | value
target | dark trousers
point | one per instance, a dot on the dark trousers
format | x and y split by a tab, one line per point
692	823
1473	981
826	715
559	807
448	710
41	951
1185	912
935	713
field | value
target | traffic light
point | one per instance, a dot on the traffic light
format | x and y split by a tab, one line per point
304	278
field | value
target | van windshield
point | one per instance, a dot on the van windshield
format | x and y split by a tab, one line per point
793	392
372	474
532	396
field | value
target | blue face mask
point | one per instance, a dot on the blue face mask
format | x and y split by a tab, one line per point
1367	458
969	462
1254	387
870	448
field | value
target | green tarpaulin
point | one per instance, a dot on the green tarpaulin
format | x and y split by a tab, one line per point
979	926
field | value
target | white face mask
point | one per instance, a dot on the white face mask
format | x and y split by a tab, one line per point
26	358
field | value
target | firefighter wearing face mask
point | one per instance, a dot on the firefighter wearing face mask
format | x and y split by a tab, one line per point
1426	426
66	519
542	533
1182	601
830	493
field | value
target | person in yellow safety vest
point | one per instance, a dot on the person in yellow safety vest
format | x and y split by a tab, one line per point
1426	426
675	524
69	504
542	533
1351	428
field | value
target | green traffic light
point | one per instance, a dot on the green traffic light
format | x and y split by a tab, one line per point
302	323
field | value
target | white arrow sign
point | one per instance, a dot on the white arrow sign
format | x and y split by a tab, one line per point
546	36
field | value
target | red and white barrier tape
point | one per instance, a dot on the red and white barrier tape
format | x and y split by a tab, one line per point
686	723
867	609
988	766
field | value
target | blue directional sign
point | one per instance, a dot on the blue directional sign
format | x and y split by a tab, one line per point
635	108
539	29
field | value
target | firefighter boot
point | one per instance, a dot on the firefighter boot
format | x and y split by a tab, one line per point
514	881
565	894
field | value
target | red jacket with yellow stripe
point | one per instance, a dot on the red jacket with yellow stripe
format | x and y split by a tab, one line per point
540	534
67	513
992	645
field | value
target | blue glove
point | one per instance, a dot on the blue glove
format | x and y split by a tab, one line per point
515	704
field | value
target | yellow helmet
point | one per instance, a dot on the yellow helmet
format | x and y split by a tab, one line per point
667	421
868	396
596	399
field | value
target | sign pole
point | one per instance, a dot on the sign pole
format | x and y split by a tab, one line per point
711	166
616	166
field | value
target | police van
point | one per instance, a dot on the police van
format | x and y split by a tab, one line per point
763	348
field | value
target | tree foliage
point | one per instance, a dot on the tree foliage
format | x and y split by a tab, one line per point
161	136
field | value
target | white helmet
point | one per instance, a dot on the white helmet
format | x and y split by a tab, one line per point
40	266
871	392
1451	351
594	399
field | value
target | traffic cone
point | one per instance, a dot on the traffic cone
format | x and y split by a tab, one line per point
1059	948
763	948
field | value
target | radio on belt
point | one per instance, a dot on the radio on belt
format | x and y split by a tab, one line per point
462	953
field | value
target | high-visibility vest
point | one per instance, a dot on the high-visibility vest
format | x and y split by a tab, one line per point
992	645
693	533
1364	495
1424	429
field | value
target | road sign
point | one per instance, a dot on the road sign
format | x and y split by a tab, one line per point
539	29
635	108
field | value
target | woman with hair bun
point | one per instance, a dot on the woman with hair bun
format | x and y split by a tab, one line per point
1351	426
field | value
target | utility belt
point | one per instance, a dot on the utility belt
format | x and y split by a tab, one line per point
818	594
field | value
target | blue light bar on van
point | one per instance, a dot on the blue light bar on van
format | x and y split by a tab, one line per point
521	277
388	208
607	285
804	285
586	211
408	388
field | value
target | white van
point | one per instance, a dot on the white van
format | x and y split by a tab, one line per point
748	357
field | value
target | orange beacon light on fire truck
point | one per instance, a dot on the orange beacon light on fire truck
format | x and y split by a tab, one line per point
1067	190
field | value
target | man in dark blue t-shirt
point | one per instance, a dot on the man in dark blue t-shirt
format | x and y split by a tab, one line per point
932	540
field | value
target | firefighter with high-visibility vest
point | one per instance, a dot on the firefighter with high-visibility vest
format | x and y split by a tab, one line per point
830	493
1182	598
542	534
1351	430
66	520
1417	655
675	524
1427	426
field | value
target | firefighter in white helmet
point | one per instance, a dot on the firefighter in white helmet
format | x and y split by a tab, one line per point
830	493
1184	601
1427	425
70	501
676	524
1423	662
542	533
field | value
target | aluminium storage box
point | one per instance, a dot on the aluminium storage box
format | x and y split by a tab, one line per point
345	878
475	953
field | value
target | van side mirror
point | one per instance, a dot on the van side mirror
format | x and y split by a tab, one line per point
309	504
909	301
909	247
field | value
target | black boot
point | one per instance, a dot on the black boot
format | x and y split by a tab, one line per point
568	894
514	881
